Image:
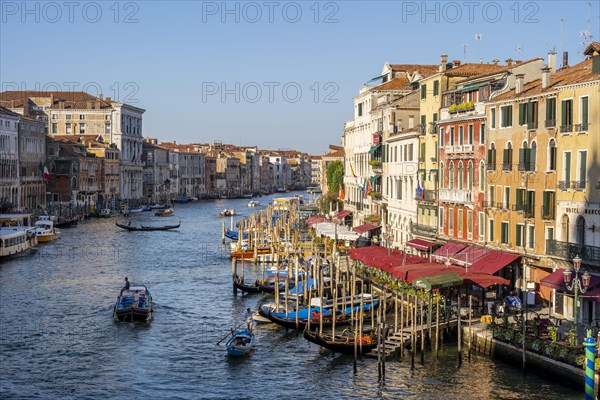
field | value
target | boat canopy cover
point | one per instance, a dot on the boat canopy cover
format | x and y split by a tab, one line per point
438	281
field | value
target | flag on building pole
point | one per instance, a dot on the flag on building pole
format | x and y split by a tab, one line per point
420	192
364	189
342	195
369	187
46	174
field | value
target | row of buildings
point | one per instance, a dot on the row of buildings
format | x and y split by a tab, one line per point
503	157
75	147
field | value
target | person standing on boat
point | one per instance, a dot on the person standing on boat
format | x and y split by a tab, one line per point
127	285
249	320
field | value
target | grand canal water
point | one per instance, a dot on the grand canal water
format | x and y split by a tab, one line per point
58	340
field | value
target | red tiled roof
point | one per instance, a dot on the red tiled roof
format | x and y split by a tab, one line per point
394	84
424	70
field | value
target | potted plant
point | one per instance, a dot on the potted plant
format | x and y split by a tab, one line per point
452	108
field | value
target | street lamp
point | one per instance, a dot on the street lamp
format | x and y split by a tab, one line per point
576	285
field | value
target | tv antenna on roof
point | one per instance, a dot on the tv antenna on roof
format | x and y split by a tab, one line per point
465	45
478	37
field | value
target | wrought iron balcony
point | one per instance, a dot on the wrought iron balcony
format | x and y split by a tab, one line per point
588	254
549	213
566	128
581	127
423	230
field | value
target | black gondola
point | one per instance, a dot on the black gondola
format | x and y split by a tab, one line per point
147	228
343	343
269	287
245	287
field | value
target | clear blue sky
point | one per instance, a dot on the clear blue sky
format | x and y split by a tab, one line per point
175	59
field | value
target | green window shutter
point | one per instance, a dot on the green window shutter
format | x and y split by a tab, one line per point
563	114
584	110
546	203
435	116
522	111
519	199
436	88
532	156
568	167
582	167
510	116
518	238
551	109
522	159
530	114
423	91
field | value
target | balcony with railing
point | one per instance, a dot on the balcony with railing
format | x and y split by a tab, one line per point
566	129
426	195
459	148
456	196
422	130
423	230
549	212
581	127
528	211
575	185
432	128
588	254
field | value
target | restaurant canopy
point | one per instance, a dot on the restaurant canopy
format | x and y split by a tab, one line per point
449	249
468	255
334	231
343	214
449	279
420	244
493	262
556	280
315	219
483	279
365	228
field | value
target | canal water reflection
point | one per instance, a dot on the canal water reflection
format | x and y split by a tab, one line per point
58	340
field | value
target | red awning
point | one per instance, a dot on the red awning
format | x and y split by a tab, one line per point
449	249
468	255
420	244
493	262
315	220
365	228
592	295
344	214
556	280
483	280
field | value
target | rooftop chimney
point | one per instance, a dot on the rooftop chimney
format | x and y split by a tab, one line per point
443	61
100	96
455	63
546	77
552	61
509	61
108	99
565	59
495	61
519	83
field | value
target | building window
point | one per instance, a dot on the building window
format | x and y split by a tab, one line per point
82	128
69	128
504	233
460	176
54	128
436	88
470	175
583	113
580	230
566	124
519	235
451	176
506	197
450	221
461	134
460	223
520	199
81	116
528	114
548	205
470	134
107	129
491	230
482	133
469	224
566	169
441	218
552	155
564	225
530	236
505	117
441	174
491	157
54	116
507	157
481	176
360	109
492	194
493	118
423	91
481	226
68	116
441	137
582	170
550	112
451	136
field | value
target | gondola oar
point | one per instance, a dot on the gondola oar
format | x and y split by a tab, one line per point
231	333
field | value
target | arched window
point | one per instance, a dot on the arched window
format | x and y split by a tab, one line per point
451	176
580	230
470	176
532	156
482	177
491	157
564	225
552	155
460	176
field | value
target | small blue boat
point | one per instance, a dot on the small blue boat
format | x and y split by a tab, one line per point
240	343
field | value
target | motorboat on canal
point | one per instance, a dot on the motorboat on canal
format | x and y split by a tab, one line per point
240	343
45	230
165	213
253	203
16	236
228	212
133	304
108	213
